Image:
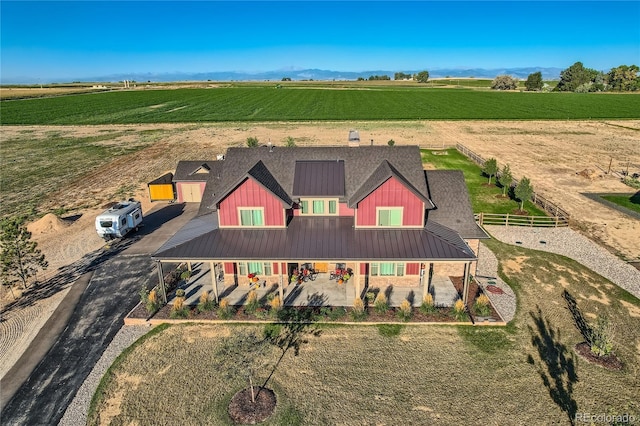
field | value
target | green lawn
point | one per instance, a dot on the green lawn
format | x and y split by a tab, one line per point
248	103
630	202
483	198
525	373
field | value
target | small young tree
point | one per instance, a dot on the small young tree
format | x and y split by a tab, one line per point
20	257
290	142
391	142
523	191
504	82
505	179
252	142
490	168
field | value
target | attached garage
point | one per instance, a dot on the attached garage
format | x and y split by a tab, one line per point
191	192
162	189
191	178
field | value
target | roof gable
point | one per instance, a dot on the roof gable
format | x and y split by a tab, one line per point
380	175
196	171
261	174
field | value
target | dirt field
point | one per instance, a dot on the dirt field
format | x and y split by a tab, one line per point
550	153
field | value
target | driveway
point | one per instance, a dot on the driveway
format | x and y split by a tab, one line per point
114	278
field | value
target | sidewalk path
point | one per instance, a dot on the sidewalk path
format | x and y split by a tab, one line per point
487	274
569	243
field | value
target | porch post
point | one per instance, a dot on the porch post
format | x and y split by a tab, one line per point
357	274
189	266
281	285
214	279
430	276
163	290
465	284
425	286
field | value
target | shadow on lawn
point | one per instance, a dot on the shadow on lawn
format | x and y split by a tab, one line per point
556	366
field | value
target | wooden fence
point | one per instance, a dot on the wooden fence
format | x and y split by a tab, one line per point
518	220
537	198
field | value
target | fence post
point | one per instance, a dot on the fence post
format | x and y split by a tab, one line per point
506	220
556	220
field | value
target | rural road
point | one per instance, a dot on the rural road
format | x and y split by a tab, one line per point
38	389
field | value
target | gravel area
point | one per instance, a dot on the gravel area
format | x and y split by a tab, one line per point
569	243
76	413
486	274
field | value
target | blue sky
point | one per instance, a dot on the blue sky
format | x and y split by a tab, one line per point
43	41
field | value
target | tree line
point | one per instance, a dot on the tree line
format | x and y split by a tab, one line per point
580	79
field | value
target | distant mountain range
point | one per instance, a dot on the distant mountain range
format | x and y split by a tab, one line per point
318	74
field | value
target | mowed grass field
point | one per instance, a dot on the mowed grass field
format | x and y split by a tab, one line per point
525	373
292	104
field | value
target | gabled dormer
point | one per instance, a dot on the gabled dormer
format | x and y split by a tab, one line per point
387	199
255	200
319	188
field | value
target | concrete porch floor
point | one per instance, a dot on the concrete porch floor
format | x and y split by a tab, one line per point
321	292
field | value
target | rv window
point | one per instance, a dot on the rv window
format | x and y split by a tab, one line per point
106	223
137	216
124	220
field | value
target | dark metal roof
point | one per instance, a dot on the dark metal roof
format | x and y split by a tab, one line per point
379	176
166	178
322	238
358	164
448	191
187	171
318	178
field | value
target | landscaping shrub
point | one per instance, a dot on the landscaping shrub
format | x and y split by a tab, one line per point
358	313
205	303
602	337
276	306
252	302
482	306
427	306
224	309
178	310
405	312
149	300
381	305
370	296
179	292
459	310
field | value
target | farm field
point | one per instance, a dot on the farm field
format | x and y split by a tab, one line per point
260	104
419	375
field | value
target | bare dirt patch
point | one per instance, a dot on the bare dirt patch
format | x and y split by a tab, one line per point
634	311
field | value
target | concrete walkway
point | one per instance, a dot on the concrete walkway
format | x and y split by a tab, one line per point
569	243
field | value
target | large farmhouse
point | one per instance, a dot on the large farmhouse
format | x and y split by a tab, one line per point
370	212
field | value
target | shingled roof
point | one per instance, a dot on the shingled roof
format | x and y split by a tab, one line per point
448	191
196	171
405	161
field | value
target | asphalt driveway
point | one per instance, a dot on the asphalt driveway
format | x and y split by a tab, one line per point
112	278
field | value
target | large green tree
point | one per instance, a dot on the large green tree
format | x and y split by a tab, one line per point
534	81
575	76
422	77
624	78
20	258
523	191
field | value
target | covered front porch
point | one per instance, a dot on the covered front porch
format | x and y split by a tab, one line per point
322	291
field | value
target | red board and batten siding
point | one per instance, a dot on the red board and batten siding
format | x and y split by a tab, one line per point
392	193
251	194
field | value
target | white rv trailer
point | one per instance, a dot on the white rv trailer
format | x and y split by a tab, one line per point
119	220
